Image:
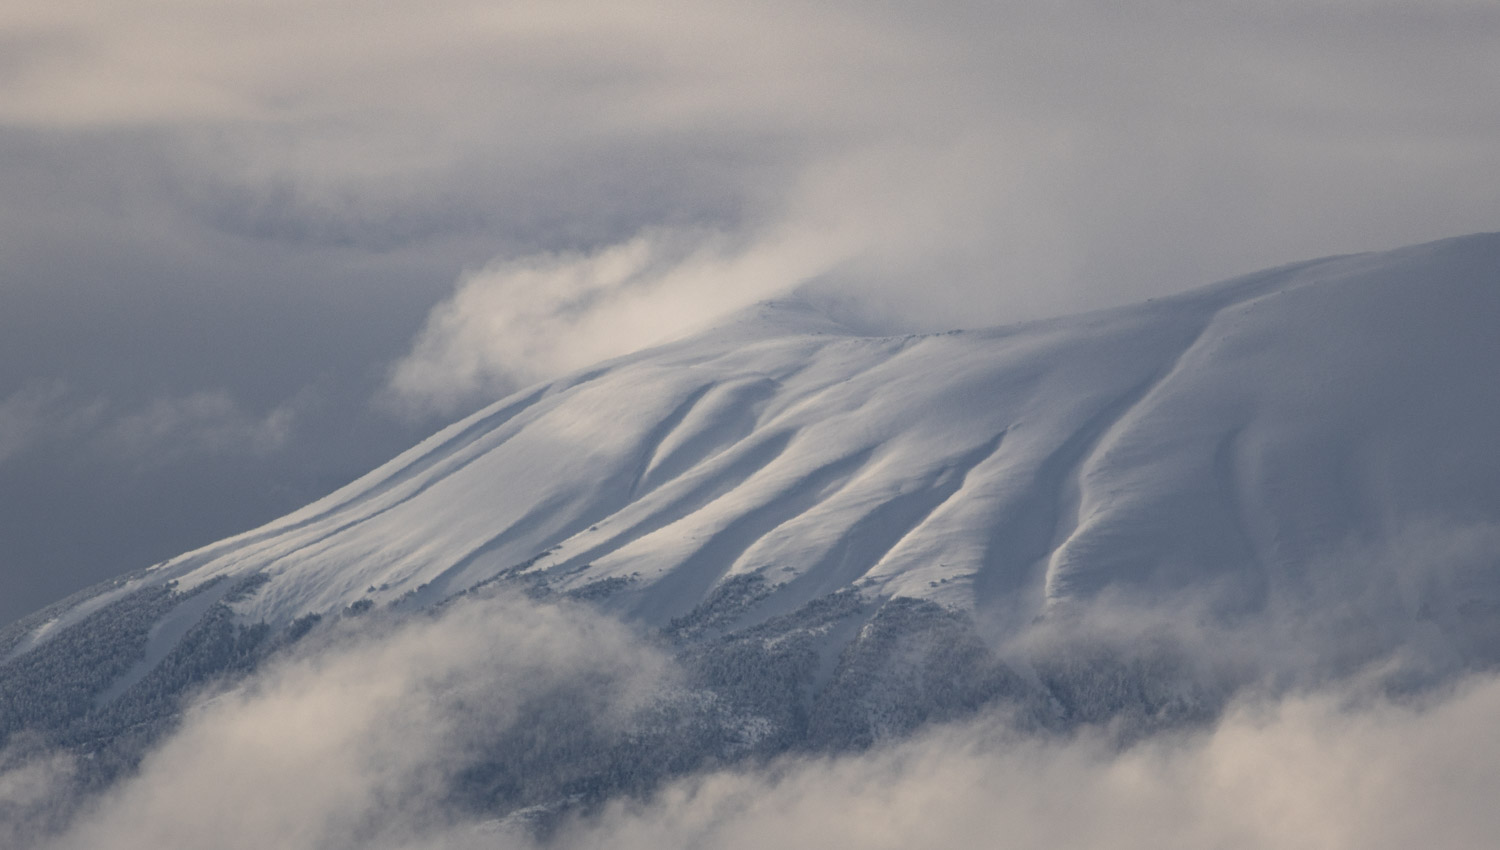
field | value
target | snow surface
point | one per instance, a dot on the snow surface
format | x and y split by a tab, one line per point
1226	440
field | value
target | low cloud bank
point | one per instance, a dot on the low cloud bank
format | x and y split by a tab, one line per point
368	738
1308	771
356	743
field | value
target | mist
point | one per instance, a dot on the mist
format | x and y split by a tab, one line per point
1306	770
357	738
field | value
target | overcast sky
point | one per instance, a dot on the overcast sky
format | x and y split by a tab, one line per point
250	249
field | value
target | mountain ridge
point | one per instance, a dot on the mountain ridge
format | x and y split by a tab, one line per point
1003	471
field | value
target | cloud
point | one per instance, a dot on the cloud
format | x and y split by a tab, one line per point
1005	160
618	174
34	785
1305	771
35	413
1413	603
521	320
963	164
356	743
207	422
1402	609
202	422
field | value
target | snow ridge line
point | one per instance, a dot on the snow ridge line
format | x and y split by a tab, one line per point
889	523
399	473
1084	448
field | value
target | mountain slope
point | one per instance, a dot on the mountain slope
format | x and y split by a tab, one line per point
1220	442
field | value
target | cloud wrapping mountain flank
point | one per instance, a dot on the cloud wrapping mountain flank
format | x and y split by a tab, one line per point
1304	772
517	321
356	744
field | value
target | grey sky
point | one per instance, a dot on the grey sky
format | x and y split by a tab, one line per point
222	227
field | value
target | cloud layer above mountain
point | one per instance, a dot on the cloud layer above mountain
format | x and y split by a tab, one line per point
958	164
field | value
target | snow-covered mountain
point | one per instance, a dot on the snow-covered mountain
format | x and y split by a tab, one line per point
1318	437
1227	440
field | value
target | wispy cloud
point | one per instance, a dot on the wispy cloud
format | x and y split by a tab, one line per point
202	422
1003	160
35	413
35	791
167	428
521	320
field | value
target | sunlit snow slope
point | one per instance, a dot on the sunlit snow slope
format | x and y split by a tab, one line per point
1225	441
